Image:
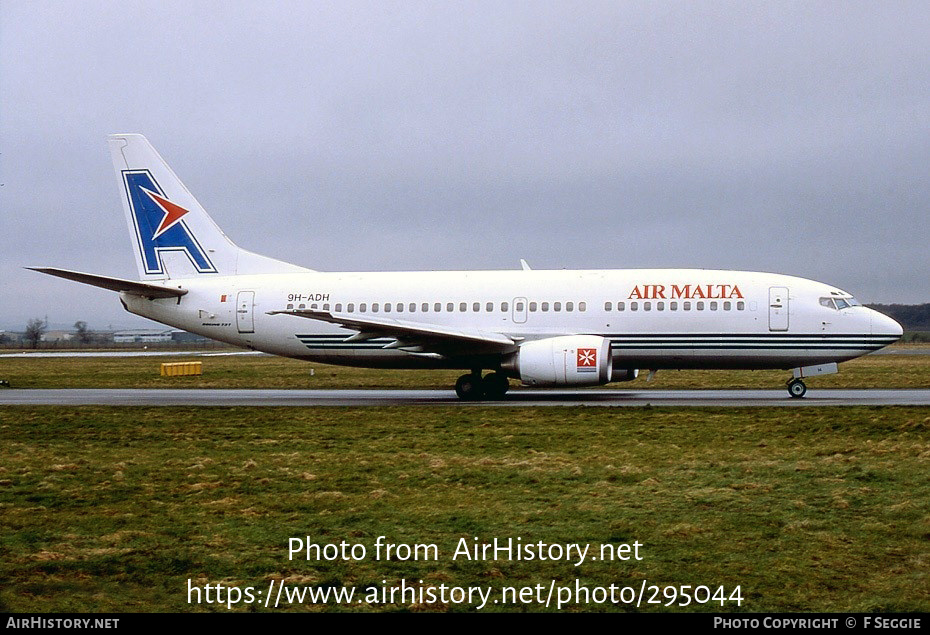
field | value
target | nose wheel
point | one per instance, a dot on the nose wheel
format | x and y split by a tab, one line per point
797	388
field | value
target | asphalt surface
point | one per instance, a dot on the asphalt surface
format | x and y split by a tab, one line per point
593	397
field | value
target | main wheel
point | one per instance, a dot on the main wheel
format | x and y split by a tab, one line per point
796	388
495	385
469	387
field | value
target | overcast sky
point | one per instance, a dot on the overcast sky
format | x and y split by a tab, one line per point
786	137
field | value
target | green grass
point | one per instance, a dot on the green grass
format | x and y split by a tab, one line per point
114	509
873	371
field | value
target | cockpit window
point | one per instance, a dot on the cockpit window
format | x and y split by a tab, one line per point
839	303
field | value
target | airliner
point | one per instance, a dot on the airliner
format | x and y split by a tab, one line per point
565	328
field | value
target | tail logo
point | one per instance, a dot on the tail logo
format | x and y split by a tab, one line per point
159	224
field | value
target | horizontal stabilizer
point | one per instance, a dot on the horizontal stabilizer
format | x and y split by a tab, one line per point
144	289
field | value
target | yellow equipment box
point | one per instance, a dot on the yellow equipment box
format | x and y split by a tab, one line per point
175	369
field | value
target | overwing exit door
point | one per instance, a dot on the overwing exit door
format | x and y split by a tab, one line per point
519	310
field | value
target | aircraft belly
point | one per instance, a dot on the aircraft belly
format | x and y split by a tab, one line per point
728	358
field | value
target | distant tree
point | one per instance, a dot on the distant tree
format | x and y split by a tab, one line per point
83	335
913	317
35	328
4	339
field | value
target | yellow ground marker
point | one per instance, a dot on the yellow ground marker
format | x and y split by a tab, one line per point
176	369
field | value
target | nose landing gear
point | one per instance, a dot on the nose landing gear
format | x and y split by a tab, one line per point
797	388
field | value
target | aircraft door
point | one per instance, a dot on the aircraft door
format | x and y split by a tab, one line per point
519	310
778	309
245	321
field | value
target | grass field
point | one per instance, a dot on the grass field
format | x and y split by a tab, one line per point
115	509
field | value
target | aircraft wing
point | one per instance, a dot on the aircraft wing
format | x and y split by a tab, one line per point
413	337
145	289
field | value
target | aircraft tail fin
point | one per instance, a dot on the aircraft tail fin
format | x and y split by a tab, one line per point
172	233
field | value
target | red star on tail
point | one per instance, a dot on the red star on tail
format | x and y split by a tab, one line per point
173	213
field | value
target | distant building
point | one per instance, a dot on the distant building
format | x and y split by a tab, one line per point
155	336
57	336
178	335
142	336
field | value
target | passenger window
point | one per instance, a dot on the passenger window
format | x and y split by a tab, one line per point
290	306
727	305
450	307
351	308
569	306
582	306
660	306
533	307
621	306
387	307
686	306
519	306
463	306
608	306
489	307
314	306
700	306
476	306
424	307
740	306
672	306
374	307
363	307
545	306
412	307
504	307
338	308
400	307
713	306
437	307
556	306
647	306
634	306
302	306
326	307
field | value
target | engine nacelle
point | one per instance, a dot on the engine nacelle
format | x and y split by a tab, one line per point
568	360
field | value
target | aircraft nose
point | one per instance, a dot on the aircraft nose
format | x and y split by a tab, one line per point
884	325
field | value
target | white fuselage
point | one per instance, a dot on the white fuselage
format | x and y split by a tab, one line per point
654	318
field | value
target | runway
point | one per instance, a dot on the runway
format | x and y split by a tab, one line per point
676	398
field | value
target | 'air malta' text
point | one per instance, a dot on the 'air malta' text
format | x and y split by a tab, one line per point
685	292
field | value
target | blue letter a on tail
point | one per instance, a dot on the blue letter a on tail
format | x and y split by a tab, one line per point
159	224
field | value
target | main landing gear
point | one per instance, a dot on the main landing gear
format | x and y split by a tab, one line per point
797	388
473	387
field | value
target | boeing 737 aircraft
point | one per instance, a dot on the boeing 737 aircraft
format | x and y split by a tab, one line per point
544	328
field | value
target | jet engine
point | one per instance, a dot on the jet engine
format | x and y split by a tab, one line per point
568	360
